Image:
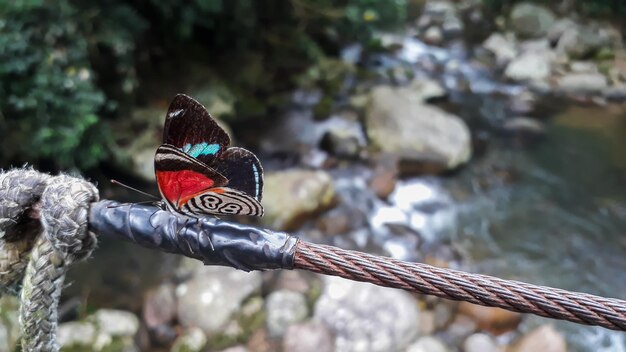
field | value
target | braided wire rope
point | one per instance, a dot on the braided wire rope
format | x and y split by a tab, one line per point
43	230
456	285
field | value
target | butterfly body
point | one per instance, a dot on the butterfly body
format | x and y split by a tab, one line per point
196	170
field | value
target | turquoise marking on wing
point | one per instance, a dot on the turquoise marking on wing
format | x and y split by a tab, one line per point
256	180
201	149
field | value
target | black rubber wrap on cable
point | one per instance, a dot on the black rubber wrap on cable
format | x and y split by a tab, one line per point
211	240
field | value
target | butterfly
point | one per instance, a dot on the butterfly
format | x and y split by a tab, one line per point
196	170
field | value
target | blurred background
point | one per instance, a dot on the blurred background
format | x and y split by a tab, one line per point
481	135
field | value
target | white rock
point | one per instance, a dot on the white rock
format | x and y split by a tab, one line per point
530	66
582	83
427	344
284	308
502	47
365	317
212	295
480	343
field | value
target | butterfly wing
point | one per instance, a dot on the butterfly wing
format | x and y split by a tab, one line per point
223	201
181	177
243	171
190	127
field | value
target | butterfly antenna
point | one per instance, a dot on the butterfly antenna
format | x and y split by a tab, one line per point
133	189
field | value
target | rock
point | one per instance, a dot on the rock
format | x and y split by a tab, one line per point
582	83
292	196
397	122
583	41
284	308
583	67
433	35
531	20
461	327
502	47
452	26
427	322
343	136
530	66
260	342
544	338
192	340
212	295
365	317
160	306
106	329
296	281
9	323
236	349
116	322
560	27
334	223
427	344
308	337
522	126
494	320
615	93
76	335
480	343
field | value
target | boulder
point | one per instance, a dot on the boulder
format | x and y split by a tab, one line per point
308	337
365	317
583	41
502	47
398	122
480	342
531	20
427	344
495	320
211	297
544	338
532	66
582	83
292	196
284	308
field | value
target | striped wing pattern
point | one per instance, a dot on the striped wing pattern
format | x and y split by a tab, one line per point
223	201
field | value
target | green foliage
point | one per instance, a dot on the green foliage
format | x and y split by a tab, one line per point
66	64
47	97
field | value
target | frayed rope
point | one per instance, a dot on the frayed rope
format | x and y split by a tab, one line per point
43	230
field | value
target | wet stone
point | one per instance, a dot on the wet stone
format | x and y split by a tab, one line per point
9	324
284	308
192	340
531	20
398	122
159	306
494	320
116	322
76	334
364	317
218	290
292	196
480	343
544	338
308	337
427	344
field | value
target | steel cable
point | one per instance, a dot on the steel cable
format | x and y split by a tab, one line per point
456	285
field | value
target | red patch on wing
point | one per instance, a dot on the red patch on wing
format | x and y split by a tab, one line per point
180	186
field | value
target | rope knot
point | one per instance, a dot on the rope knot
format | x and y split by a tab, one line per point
64	215
31	201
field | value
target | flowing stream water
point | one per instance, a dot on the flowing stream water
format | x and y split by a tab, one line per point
550	213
